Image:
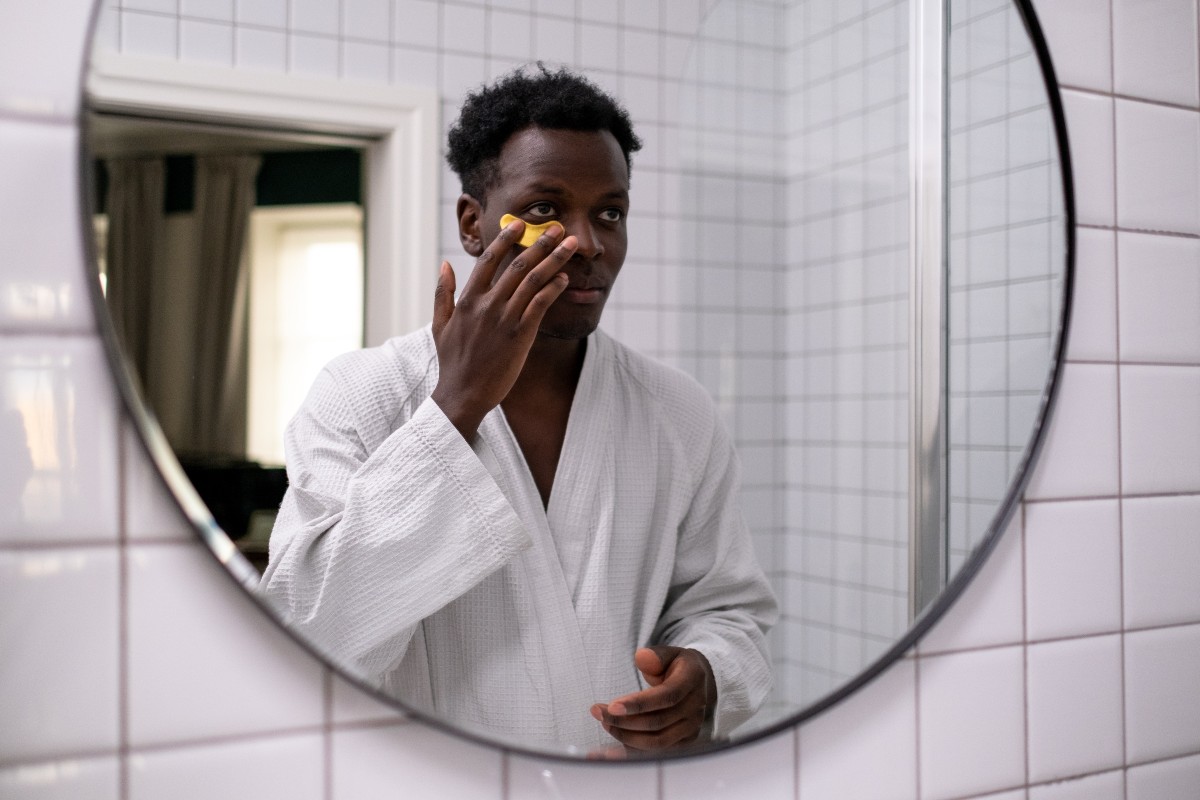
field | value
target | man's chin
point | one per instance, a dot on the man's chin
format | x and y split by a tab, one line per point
568	330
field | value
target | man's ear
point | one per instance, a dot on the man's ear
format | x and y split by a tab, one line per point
470	224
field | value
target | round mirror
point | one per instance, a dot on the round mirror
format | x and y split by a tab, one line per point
849	223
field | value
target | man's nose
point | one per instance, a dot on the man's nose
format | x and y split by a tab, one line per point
590	244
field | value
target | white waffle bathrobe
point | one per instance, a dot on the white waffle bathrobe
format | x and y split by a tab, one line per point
429	567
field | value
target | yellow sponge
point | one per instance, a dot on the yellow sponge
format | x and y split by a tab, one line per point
532	232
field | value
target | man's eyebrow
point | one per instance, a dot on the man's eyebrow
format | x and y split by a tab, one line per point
558	191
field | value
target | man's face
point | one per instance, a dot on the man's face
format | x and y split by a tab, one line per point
579	179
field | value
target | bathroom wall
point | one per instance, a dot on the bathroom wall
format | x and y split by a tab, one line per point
845	350
1005	248
134	668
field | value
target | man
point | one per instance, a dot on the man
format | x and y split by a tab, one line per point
507	518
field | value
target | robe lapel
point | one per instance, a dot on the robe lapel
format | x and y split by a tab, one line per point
560	655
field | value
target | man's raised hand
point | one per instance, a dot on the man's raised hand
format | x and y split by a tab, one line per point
483	340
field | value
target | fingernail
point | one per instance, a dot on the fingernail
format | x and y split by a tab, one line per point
616	709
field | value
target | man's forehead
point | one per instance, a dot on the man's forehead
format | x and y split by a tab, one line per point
536	157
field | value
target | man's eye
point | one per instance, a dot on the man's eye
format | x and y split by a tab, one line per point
612	215
540	210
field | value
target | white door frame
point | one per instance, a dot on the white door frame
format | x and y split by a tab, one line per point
402	158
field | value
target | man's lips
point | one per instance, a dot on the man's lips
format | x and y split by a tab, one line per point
584	294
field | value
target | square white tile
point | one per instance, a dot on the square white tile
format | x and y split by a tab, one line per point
219	10
1075	723
1079	455
555	40
315	16
1078	32
416	23
1154	49
69	779
640	52
275	766
1159	296
764	770
972	722
1072	568
1162	706
1158	167
260	49
366	62
1176	778
41	61
160	6
44	284
414	67
58	632
599	11
464	29
1093	333
529	779
599	46
59	480
1161	560
1160	429
1103	786
368	19
460	74
315	56
865	748
149	35
206	42
188	619
374	763
269	13
1090	128
510	35
989	610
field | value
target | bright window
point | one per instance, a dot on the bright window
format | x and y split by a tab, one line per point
306	307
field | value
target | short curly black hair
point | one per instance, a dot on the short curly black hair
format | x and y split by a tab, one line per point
543	98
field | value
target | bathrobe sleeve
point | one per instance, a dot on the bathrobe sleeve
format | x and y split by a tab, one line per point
369	542
720	602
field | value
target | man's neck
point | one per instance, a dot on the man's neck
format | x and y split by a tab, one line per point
553	365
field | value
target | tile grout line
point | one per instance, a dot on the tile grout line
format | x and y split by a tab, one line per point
123	694
1025	635
1112	65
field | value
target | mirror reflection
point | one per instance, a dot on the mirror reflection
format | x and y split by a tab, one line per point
498	563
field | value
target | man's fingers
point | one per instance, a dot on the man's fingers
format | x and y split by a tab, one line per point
536	289
443	297
653	661
481	276
529	261
680	733
656	698
653	720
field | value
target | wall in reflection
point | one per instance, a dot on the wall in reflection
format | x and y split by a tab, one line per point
846	340
1006	248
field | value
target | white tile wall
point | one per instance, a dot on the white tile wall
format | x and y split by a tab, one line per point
1158	167
1072	568
40	156
968	720
1154	44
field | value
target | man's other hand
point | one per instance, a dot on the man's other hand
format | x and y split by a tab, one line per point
673	711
